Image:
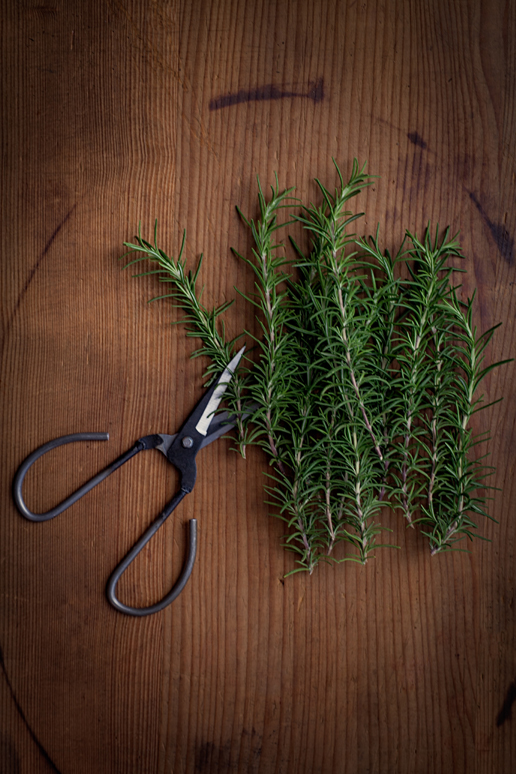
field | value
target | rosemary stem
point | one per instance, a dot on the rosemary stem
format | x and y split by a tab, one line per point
354	383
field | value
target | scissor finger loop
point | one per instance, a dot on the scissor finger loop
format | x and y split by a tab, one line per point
85	488
178	586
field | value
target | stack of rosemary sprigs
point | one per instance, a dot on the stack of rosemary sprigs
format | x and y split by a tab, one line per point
364	377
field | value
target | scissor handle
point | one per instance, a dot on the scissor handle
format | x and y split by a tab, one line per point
148	442
135	550
84	489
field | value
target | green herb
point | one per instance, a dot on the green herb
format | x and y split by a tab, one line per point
200	322
364	381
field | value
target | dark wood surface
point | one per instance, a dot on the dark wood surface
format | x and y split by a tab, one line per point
118	112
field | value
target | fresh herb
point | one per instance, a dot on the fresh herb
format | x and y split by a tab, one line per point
364	378
200	322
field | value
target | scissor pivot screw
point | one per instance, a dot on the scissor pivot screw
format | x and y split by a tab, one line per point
187	442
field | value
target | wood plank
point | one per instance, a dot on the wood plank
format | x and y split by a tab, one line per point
120	112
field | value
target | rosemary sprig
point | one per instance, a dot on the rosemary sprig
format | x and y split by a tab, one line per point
200	322
424	305
276	387
338	327
271	389
458	491
203	323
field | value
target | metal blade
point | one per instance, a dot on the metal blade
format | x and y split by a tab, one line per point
220	425
224	421
206	418
166	443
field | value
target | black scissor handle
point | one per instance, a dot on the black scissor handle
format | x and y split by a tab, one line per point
84	489
178	586
148	442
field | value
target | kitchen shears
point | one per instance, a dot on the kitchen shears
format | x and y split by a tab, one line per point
201	428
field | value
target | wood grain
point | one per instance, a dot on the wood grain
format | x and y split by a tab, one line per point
407	665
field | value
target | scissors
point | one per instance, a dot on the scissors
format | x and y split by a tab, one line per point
201	428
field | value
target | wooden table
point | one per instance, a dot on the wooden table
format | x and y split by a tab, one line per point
124	111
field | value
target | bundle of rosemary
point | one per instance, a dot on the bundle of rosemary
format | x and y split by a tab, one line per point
364	377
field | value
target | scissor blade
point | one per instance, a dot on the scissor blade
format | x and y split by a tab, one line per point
224	421
207	415
220	425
